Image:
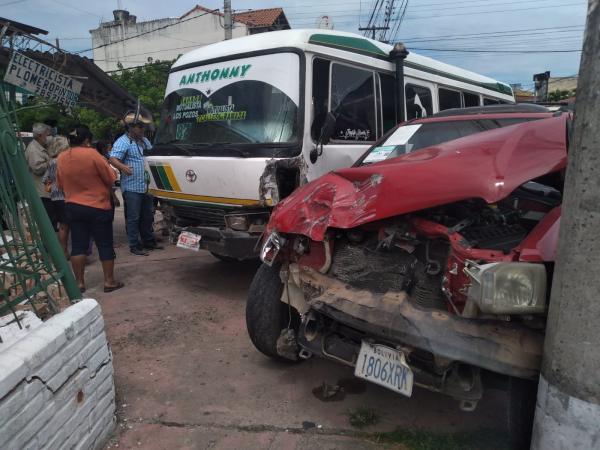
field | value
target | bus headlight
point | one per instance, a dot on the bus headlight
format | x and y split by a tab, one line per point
237	222
250	222
507	288
271	247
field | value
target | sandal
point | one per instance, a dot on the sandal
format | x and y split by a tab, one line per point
119	285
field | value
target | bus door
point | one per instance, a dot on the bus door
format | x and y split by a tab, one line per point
362	101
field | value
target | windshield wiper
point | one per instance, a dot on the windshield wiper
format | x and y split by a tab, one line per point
225	146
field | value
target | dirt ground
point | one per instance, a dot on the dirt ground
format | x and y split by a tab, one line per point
188	377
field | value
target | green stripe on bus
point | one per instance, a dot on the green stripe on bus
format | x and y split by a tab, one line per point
363	46
347	43
156	176
164	178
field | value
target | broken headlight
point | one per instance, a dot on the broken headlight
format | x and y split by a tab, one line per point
251	222
237	222
507	288
271	247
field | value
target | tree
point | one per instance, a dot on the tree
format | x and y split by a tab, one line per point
562	94
147	83
101	126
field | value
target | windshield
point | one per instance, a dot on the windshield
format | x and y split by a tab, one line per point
240	102
411	137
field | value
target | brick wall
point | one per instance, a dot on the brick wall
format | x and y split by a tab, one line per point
56	384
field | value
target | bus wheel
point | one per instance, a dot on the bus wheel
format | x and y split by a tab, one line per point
266	315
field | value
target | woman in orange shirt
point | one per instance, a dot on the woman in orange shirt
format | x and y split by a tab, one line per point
86	179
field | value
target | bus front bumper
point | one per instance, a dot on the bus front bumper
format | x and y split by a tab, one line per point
232	244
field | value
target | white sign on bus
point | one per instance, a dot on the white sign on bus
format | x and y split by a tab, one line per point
39	79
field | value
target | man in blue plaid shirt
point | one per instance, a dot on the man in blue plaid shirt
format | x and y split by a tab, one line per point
127	155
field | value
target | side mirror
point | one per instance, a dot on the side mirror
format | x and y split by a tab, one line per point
326	133
328	129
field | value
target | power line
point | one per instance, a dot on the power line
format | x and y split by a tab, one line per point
438	16
449	6
78	9
148	32
489	12
490	33
492	51
12	3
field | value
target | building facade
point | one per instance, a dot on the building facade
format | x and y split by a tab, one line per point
125	42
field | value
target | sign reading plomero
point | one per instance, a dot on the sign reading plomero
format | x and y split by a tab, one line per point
39	79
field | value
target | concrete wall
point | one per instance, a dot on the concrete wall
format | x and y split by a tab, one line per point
164	44
56	384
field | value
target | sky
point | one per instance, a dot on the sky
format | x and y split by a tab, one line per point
478	35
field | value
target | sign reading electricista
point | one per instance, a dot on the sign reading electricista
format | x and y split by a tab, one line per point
39	79
224	73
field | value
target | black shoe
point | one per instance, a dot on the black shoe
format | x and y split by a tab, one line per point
153	247
138	252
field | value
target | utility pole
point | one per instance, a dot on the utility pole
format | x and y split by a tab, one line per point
373	29
228	19
568	405
541	86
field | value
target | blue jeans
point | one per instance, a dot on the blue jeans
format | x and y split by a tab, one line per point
139	217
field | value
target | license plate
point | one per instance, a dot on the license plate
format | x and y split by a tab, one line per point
384	366
189	241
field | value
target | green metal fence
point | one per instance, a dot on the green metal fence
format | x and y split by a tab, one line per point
33	268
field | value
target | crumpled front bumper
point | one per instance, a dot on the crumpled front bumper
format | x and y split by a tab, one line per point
503	347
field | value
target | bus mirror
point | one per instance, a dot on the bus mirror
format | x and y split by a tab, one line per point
328	129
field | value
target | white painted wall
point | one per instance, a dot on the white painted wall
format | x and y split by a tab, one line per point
164	44
56	384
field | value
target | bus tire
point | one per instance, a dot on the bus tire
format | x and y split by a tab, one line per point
266	315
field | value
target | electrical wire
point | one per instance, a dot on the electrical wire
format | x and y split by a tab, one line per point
148	32
493	51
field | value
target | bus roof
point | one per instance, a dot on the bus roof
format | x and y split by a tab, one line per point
307	39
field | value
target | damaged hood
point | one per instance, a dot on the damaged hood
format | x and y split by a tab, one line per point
488	165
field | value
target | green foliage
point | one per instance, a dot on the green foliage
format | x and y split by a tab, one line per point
363	417
101	126
147	83
43	111
415	439
562	94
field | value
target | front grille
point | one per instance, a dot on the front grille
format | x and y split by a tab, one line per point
201	216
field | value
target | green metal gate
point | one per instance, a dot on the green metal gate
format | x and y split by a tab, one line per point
33	268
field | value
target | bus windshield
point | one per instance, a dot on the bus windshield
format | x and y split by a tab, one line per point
212	107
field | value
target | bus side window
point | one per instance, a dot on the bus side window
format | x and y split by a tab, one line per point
320	95
490	101
470	99
388	104
418	101
353	103
448	99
